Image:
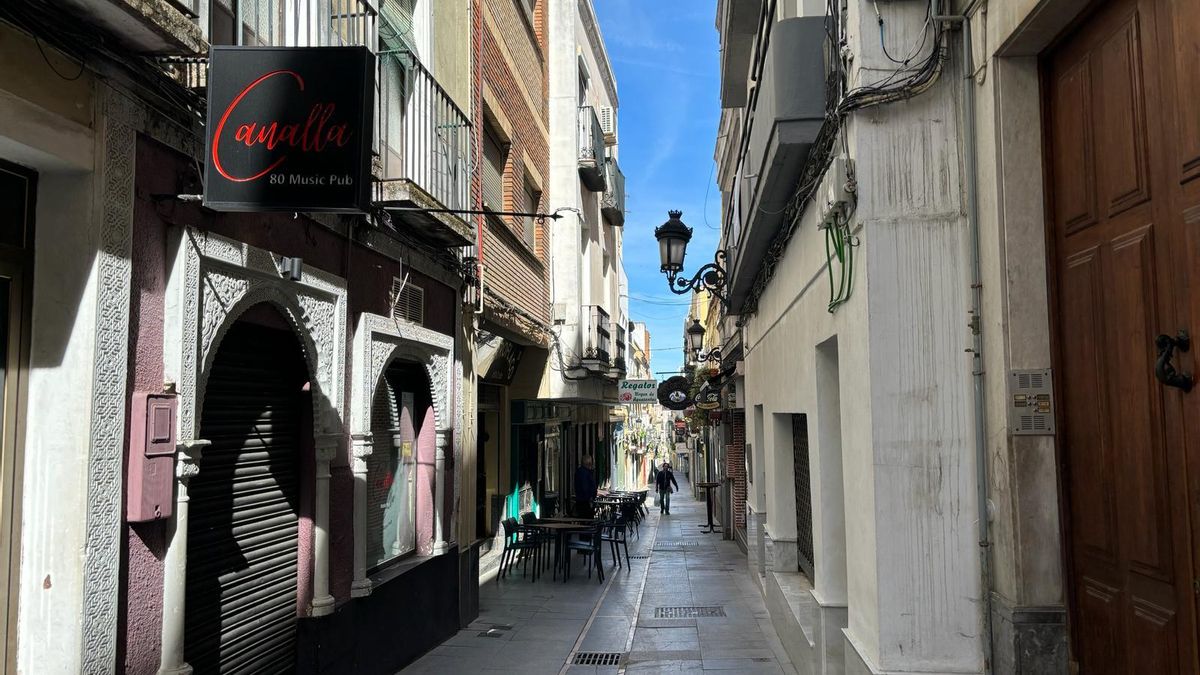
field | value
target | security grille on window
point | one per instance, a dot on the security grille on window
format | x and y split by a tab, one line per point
493	170
408	301
532	199
800	466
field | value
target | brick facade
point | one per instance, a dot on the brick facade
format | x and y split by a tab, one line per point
509	89
735	466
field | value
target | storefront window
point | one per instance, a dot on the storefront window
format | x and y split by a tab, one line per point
391	469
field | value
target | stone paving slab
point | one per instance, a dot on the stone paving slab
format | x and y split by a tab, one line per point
540	626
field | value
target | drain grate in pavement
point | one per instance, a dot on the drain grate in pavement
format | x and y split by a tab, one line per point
687	612
675	545
597	658
639	557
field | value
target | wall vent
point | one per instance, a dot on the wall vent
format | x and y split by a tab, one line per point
408	301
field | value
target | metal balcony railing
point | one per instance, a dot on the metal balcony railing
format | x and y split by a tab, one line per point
424	137
612	205
598	338
619	359
269	23
591	149
289	23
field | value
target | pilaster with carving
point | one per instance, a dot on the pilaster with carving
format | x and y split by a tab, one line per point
362	446
187	465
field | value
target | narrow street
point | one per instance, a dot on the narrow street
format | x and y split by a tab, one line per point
548	626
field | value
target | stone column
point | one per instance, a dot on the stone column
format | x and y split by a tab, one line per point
322	602
439	495
187	464
362	446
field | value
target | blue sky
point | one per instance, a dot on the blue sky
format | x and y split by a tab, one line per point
665	57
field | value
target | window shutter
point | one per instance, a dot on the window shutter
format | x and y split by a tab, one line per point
408	301
531	206
493	171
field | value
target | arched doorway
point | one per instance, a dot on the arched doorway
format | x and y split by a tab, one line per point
243	530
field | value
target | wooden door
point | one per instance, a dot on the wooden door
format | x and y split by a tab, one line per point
1120	272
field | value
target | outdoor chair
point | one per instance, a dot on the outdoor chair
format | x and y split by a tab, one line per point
518	542
542	537
589	544
615	532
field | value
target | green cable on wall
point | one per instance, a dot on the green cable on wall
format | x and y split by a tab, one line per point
840	244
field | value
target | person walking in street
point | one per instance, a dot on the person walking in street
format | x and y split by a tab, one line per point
663	482
585	488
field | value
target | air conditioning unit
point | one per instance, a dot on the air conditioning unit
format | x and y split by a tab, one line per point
608	123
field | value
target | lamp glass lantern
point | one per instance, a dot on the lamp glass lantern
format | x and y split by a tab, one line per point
695	336
673	237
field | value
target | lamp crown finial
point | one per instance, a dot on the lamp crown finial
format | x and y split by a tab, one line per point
675	213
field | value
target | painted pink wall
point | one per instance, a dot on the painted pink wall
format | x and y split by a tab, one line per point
140	622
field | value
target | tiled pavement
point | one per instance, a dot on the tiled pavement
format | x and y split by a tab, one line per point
531	628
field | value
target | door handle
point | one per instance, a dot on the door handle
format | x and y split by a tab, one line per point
1164	370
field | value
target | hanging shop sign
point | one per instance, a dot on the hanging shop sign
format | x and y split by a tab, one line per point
637	391
708	398
289	129
673	393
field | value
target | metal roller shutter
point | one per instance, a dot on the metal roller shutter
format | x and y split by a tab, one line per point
493	171
243	523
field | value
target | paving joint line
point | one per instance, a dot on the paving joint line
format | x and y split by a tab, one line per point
637	608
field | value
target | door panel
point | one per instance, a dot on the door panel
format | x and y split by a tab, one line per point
1119	268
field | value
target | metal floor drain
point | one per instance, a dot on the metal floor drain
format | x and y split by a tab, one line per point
675	545
639	557
687	612
597	658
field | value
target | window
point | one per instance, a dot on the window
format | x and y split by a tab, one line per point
400	408
493	170
532	199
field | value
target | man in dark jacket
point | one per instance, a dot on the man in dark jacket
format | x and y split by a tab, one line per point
663	482
585	488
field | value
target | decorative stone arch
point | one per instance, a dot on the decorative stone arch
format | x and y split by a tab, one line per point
378	341
294	315
213	281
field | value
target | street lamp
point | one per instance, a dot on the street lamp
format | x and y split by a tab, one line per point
673	237
695	337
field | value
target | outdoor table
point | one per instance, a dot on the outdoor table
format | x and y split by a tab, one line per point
560	531
708	487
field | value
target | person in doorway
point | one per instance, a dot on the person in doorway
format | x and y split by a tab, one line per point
585	488
663	482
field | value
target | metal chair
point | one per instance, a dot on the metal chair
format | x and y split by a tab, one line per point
518	542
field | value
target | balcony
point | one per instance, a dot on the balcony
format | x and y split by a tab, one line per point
150	27
597	339
424	144
785	117
737	22
591	150
618	364
612	205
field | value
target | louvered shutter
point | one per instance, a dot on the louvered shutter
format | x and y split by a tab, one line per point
243	523
493	171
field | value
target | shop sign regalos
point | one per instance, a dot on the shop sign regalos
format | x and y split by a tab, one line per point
638	391
289	129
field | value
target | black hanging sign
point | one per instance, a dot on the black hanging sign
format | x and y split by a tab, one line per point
673	393
289	129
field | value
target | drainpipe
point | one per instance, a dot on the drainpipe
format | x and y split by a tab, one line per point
970	166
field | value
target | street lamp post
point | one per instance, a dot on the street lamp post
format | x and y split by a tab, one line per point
673	237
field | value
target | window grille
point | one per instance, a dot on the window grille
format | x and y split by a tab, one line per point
804	530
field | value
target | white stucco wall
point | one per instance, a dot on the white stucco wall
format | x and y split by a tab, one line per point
57	428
